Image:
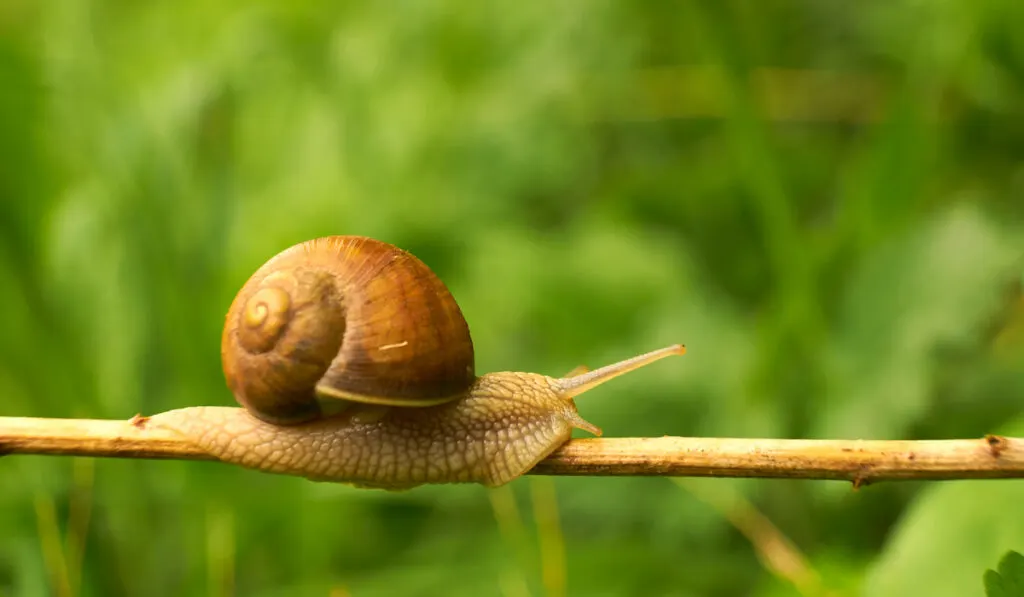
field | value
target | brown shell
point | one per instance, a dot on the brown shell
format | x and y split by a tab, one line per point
344	317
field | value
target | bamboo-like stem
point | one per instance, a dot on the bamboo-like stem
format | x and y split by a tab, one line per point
858	461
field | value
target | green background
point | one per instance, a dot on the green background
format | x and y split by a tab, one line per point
824	200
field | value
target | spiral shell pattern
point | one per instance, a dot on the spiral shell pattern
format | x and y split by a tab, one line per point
347	318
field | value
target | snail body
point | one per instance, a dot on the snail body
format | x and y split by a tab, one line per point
354	364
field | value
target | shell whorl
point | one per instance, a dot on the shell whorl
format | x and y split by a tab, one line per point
349	318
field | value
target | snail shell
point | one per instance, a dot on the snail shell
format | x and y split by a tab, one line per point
344	318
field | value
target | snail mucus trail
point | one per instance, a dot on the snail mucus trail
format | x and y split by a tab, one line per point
353	364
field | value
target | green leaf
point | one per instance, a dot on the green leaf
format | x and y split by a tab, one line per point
950	533
1009	580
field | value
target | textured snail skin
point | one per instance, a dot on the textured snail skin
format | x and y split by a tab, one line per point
505	425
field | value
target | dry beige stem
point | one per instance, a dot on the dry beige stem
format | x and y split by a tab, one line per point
858	461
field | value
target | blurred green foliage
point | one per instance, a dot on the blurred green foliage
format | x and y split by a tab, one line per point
824	201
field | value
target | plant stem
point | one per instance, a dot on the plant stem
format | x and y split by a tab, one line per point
858	461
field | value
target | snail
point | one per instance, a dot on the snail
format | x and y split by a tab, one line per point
353	363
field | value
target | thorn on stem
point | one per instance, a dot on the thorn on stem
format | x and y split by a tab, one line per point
138	421
862	478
